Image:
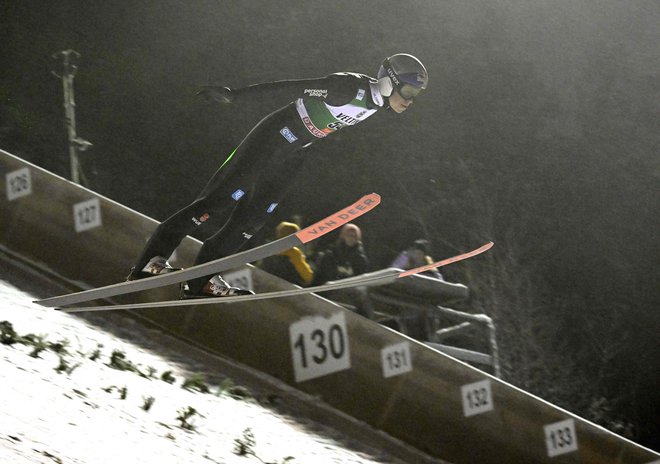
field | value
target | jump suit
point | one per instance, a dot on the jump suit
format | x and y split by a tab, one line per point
245	191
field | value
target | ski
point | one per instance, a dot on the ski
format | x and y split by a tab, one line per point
330	223
382	277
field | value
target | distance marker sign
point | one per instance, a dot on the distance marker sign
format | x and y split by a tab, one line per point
319	346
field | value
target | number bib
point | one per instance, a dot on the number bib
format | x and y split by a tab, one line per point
322	119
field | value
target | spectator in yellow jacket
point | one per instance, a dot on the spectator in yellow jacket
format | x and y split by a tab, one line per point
291	264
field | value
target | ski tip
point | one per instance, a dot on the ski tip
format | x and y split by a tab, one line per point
447	261
373	196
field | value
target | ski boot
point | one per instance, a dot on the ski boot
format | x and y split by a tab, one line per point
156	266
216	287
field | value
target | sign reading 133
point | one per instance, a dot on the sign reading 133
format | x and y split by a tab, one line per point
560	437
319	346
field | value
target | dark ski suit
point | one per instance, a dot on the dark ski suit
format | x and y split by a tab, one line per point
250	184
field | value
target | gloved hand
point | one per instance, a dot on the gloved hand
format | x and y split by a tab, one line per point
215	93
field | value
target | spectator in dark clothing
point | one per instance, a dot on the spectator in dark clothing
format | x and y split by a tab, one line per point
346	258
418	254
291	264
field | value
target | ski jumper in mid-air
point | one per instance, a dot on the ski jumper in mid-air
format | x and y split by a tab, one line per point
251	183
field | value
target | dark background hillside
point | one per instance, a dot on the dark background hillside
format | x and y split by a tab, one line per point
539	131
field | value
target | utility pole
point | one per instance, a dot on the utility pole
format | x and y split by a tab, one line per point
76	144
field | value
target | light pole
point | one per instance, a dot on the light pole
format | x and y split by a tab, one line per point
76	143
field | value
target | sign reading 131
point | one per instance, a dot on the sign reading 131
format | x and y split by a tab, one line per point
319	346
395	359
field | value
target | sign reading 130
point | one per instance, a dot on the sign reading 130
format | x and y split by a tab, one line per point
319	346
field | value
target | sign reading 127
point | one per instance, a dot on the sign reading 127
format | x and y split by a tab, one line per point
319	346
87	215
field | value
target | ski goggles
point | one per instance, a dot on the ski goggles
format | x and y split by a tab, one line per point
408	92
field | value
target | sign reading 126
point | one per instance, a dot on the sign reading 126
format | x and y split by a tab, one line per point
319	346
19	183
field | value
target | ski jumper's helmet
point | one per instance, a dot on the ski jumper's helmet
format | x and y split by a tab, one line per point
403	73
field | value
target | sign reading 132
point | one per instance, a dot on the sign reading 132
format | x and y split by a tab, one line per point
477	398
319	346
